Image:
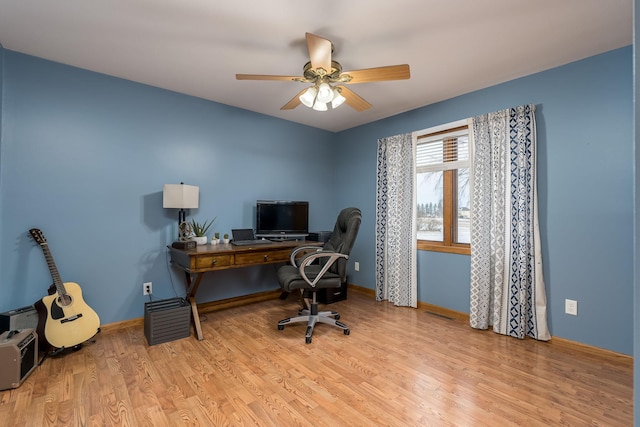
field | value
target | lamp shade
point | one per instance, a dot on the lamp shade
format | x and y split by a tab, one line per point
338	99
325	93
320	106
308	96
180	196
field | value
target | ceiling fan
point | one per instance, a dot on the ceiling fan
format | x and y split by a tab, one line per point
328	79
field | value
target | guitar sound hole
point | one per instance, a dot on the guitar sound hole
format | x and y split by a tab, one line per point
64	300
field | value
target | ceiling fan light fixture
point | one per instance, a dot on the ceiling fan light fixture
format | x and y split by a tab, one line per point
309	96
323	73
320	106
325	93
338	99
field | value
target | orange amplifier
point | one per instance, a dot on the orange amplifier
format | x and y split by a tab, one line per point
18	356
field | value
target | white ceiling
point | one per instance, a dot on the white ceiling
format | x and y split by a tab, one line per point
196	47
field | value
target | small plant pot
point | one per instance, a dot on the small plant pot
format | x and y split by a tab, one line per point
214	241
225	241
200	240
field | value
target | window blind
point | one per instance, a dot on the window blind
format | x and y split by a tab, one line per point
443	151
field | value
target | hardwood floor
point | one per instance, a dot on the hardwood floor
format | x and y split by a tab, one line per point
399	367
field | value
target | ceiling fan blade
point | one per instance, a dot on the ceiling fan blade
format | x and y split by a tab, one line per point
379	74
267	77
295	101
319	52
354	100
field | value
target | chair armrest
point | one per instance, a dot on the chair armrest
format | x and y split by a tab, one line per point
309	258
296	251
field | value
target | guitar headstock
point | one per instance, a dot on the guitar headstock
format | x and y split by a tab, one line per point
38	236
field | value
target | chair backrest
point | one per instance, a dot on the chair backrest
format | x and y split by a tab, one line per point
343	237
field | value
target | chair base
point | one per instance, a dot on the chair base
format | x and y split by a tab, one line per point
312	316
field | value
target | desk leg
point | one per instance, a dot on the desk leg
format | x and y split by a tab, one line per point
196	318
191	297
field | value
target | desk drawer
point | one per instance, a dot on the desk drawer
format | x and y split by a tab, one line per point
213	261
266	257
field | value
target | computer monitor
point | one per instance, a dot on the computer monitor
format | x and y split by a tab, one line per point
282	218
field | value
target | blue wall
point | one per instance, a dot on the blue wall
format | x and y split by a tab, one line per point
636	137
584	119
84	157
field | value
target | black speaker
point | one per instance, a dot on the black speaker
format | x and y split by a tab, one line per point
331	295
20	318
319	236
18	357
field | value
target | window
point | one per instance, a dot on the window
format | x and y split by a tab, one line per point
442	168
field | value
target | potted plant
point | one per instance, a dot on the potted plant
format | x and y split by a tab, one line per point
215	239
200	230
226	238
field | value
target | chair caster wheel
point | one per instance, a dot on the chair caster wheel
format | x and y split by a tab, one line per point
337	317
347	332
307	340
280	327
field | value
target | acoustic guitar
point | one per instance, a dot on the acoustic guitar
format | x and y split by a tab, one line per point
68	320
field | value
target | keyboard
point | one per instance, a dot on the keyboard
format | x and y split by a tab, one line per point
250	242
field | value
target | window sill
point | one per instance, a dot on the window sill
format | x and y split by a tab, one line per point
435	247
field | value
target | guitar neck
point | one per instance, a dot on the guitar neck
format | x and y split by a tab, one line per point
57	280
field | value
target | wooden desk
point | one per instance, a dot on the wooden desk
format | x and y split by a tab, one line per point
206	258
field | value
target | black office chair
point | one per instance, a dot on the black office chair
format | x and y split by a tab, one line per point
330	271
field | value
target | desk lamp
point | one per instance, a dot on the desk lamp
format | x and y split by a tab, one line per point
180	196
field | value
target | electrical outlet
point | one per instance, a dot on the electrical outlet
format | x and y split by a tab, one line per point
356	266
571	307
147	288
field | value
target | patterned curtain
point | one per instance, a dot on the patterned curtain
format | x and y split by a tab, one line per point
396	258
507	286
